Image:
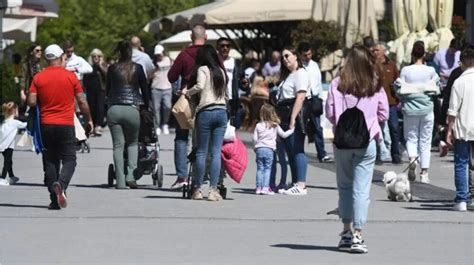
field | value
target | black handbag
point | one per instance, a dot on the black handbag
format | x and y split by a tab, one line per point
316	105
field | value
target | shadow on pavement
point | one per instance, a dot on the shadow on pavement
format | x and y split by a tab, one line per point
243	191
28	184
321	187
22	206
164	197
306	247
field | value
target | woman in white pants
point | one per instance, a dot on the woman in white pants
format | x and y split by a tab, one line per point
416	87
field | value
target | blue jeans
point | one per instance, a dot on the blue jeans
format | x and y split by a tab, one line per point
264	166
394	132
281	155
294	145
181	152
210	124
354	172
319	138
462	150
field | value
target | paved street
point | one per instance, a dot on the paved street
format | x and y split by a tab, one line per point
156	226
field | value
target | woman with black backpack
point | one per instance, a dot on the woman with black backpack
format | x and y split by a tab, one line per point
356	104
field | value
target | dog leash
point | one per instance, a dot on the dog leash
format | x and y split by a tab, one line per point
411	163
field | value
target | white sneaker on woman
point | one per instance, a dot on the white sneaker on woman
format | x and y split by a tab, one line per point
295	191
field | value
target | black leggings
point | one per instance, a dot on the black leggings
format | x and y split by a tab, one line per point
7	163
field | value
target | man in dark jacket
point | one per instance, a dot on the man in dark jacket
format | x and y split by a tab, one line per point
233	71
182	67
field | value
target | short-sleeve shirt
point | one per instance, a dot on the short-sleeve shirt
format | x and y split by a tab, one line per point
294	83
56	89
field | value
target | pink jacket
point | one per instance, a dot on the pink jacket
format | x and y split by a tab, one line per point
235	159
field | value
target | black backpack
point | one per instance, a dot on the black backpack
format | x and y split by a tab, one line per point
351	129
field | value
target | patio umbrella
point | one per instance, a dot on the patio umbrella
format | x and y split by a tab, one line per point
440	15
19	28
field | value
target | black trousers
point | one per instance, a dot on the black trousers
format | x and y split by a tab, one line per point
96	101
59	156
7	163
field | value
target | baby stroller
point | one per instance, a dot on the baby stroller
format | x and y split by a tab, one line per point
148	153
81	134
188	189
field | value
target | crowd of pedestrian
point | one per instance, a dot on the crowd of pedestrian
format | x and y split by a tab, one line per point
385	112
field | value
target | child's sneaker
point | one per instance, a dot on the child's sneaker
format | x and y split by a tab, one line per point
258	191
346	241
179	183
14	180
4	182
267	191
358	245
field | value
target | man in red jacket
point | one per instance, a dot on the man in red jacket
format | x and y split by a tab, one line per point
182	67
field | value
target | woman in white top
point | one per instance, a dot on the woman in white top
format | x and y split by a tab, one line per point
293	90
416	94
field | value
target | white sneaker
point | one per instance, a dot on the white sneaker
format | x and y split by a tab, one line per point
424	178
4	182
158	131
165	129
295	191
460	207
14	180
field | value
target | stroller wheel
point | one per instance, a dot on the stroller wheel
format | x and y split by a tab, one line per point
159	176
223	191
111	175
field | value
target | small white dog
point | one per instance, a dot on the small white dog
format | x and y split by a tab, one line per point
397	186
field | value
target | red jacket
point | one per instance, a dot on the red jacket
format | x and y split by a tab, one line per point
235	159
183	65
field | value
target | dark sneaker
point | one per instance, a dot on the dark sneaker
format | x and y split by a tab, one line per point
179	183
346	241
60	196
132	184
396	160
358	245
54	206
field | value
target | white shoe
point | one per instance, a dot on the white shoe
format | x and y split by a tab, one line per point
158	131
295	191
4	182
424	178
460	207
165	129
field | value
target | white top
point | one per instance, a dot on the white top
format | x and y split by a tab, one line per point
78	65
295	82
417	73
229	65
264	136
8	131
447	62
144	60
249	72
314	77
160	76
461	105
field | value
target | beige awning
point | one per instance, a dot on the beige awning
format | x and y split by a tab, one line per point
19	28
357	17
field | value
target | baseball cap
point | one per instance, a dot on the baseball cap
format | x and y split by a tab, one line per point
52	52
159	49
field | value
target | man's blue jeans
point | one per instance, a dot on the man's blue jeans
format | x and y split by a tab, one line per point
181	151
462	150
319	138
394	132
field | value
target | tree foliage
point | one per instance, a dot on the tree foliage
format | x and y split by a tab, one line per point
324	37
102	23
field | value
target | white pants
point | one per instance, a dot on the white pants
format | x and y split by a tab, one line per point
418	133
